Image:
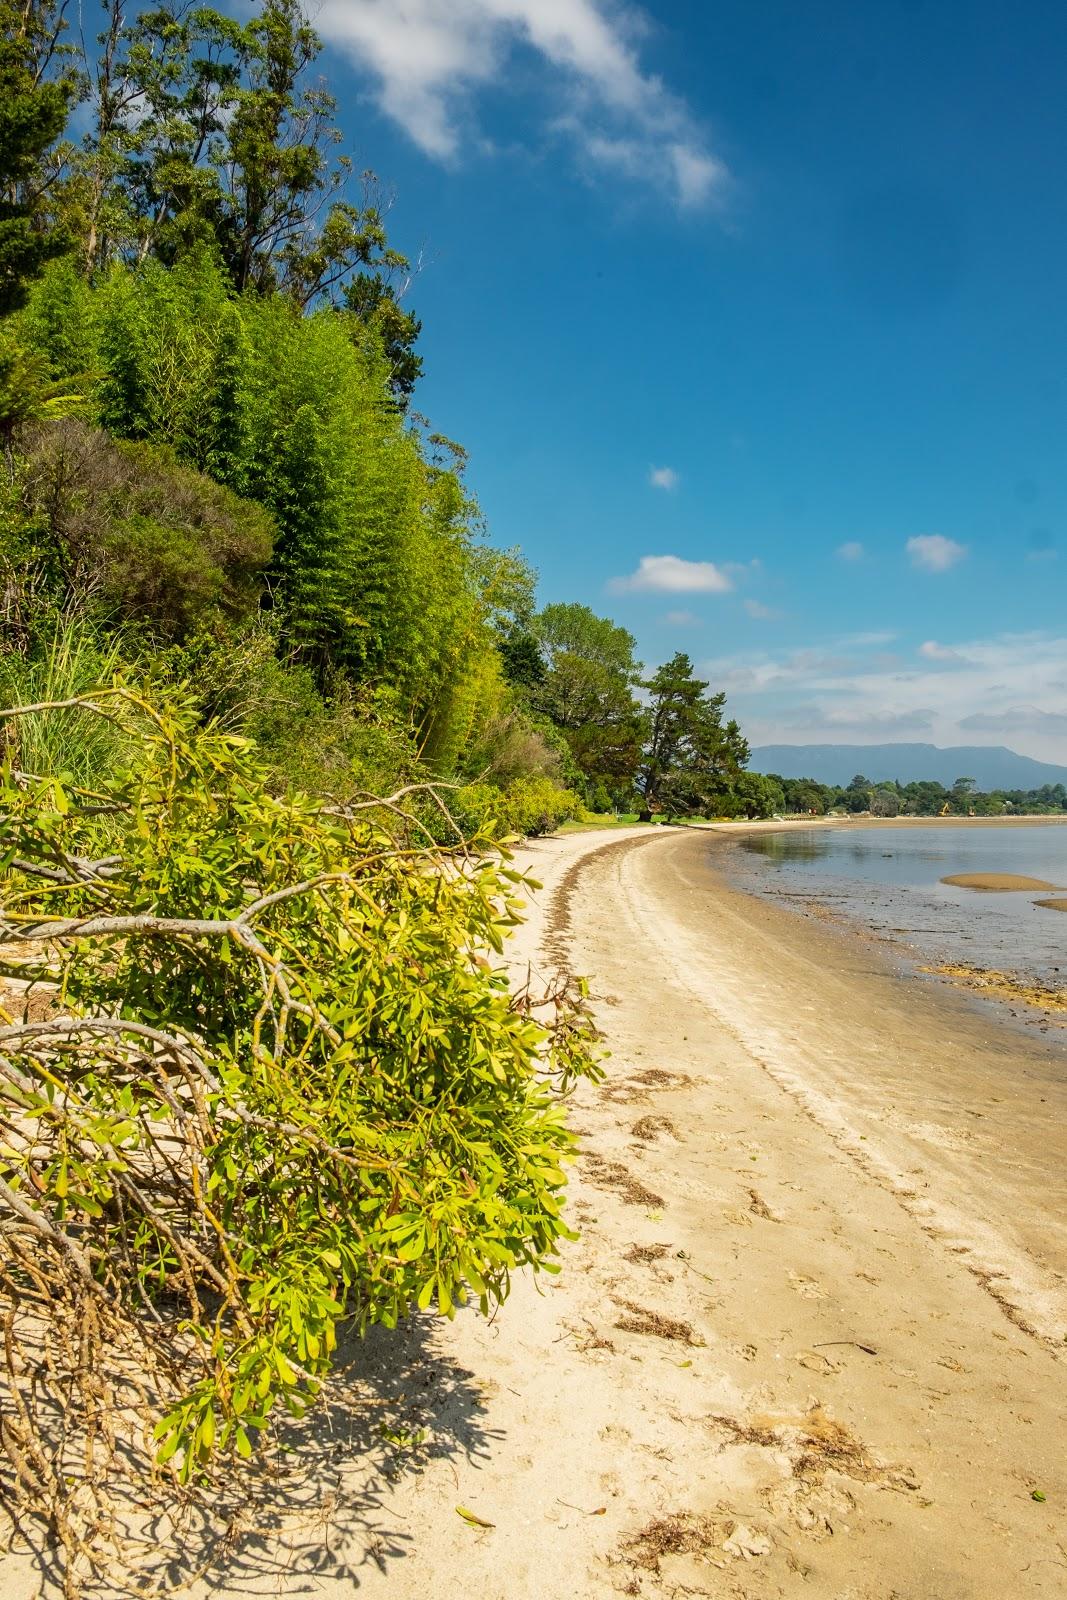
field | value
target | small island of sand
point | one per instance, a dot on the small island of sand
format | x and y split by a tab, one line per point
999	882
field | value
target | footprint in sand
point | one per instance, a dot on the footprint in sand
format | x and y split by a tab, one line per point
807	1286
815	1361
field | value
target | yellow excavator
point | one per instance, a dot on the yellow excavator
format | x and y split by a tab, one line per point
945	809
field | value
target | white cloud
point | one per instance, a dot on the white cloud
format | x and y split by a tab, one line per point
673	575
429	56
1008	689
697	175
683	619
934	553
760	612
1017	720
851	550
932	651
663	478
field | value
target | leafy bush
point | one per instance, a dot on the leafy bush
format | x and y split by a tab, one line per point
130	527
537	805
599	798
265	1080
528	806
354	741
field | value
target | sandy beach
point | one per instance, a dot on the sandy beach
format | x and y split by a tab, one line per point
810	1341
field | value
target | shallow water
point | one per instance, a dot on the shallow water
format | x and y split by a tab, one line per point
889	878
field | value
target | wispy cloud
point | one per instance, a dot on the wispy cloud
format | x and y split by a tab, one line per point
1019	719
934	553
429	57
759	612
683	619
851	550
663	478
1006	689
673	575
932	651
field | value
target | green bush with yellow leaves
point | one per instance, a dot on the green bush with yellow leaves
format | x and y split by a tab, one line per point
262	1074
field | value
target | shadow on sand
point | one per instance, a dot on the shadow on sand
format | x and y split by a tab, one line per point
318	1509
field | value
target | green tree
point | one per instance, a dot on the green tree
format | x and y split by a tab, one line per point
374	302
756	795
885	801
587	690
805	795
304	574
212	131
688	749
961	795
857	797
33	113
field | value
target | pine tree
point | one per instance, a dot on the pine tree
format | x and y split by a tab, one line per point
688	749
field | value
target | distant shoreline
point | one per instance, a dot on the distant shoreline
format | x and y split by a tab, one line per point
864	820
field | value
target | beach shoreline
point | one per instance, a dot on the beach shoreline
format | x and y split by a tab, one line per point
1022	983
810	1339
798	1156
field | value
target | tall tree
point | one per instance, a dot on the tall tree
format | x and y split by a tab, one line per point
688	749
588	690
33	113
209	130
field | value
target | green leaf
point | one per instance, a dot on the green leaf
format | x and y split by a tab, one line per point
475	1521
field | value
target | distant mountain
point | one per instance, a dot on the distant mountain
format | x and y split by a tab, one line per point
991	766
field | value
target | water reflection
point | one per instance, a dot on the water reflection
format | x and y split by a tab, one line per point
787	846
891	879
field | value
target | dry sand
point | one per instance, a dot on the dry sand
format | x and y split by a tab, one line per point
810	1342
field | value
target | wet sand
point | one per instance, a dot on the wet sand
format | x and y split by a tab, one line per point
810	1341
996	882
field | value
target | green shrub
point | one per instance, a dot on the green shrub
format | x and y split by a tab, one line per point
130	529
599	799
537	805
351	741
477	810
527	807
278	1085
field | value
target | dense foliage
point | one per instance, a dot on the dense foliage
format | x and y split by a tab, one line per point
260	1075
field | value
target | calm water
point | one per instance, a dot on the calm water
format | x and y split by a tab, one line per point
889	878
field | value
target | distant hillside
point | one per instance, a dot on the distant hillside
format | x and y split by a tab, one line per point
991	766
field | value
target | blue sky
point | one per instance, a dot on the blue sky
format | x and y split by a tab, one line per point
752	317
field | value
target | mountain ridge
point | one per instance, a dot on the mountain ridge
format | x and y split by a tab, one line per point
991	766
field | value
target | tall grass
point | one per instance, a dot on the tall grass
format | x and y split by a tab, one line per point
66	659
